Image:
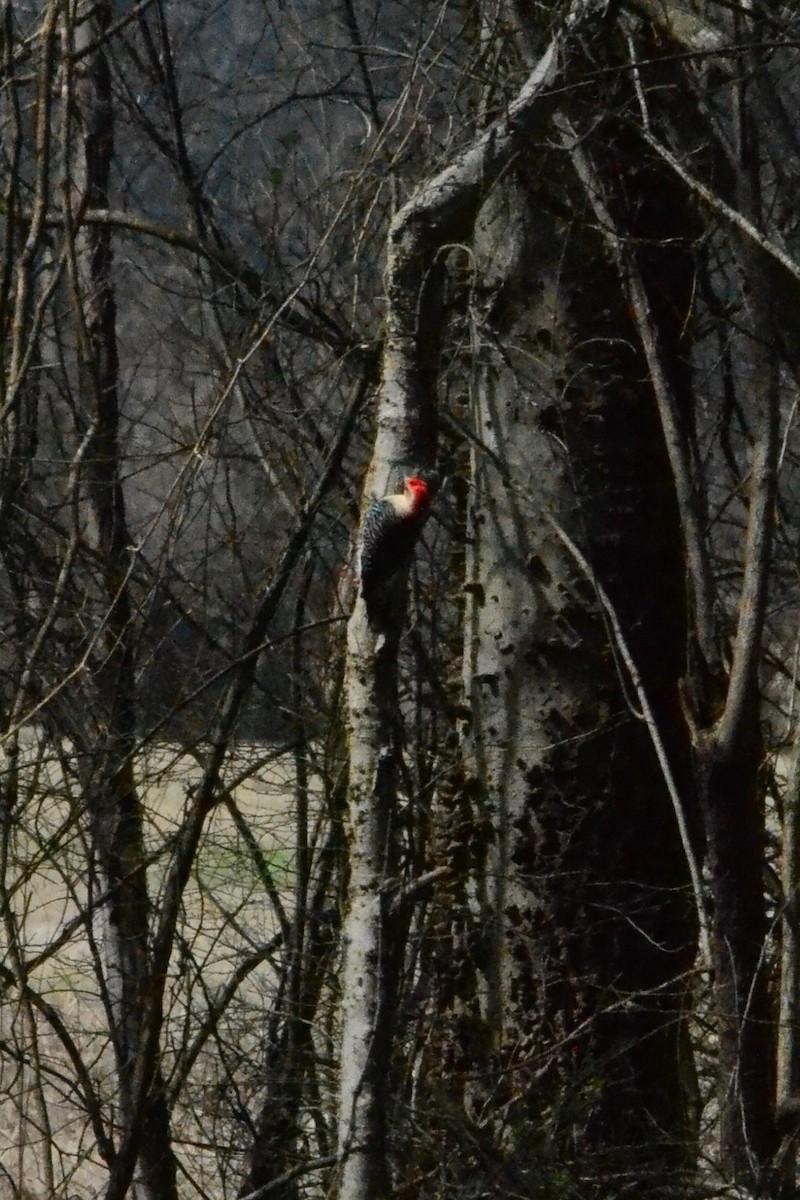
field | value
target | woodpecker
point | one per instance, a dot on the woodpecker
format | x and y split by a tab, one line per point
389	533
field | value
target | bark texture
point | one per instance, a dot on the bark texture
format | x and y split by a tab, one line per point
109	782
440	213
590	912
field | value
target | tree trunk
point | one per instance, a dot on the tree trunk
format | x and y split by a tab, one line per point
729	756
586	876
114	805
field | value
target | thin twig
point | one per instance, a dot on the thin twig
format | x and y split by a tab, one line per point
649	719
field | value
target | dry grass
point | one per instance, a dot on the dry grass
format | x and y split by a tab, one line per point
46	1145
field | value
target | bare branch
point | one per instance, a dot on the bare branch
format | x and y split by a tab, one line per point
649	719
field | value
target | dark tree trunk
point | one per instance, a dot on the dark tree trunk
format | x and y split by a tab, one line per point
734	823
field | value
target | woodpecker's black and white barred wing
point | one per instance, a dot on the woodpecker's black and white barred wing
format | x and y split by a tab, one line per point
389	532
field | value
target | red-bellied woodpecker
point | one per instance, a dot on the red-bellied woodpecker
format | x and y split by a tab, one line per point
389	533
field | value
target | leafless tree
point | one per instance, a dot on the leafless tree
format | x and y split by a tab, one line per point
497	899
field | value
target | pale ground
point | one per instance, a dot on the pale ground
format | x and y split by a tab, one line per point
46	1149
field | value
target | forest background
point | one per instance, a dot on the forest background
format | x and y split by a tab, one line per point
499	900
